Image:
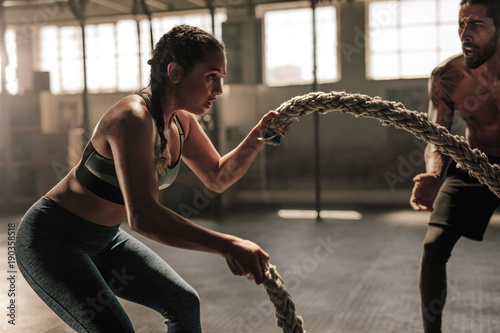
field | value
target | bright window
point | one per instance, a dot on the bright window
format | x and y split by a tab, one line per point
288	52
60	54
103	57
408	38
115	61
11	81
70	57
202	21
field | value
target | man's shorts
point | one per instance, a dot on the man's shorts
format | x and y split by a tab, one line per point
463	203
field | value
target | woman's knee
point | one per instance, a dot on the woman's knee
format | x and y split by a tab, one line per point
189	302
185	315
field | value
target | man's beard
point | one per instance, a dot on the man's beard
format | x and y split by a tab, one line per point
483	54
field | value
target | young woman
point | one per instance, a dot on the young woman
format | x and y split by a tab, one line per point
70	247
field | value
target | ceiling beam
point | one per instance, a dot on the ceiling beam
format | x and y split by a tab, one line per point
200	3
30	4
157	4
113	5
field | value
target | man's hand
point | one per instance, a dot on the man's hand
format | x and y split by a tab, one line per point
425	191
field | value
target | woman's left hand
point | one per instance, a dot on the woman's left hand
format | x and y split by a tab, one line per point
261	126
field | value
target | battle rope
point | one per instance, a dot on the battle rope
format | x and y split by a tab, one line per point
283	304
389	113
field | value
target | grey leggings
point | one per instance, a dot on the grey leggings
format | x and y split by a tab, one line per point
78	268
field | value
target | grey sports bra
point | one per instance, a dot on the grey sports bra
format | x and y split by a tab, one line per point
97	173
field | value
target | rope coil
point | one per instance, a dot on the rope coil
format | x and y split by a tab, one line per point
282	301
389	113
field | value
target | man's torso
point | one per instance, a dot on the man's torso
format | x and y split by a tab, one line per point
475	95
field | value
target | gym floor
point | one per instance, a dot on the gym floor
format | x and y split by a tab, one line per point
352	276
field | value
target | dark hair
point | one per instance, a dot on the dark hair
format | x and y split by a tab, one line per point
185	45
492	8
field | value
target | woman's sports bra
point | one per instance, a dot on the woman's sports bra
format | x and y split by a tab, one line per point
97	173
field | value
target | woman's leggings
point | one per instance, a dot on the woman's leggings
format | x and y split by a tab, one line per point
78	268
437	247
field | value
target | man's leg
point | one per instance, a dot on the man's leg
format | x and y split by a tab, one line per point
436	251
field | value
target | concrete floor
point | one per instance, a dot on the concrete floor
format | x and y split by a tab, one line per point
344	276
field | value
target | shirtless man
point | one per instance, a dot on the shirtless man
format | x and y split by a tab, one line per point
468	85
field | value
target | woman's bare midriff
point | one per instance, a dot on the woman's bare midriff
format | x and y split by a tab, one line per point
75	198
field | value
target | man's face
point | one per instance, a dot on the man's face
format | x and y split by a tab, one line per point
478	34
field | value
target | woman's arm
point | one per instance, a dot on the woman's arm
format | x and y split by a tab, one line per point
216	172
131	140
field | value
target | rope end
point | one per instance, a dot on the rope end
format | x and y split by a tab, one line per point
271	138
264	265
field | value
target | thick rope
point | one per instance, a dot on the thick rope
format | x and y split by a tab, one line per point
389	113
283	304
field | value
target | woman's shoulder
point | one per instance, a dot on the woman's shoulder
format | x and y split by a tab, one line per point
129	108
129	112
131	105
186	119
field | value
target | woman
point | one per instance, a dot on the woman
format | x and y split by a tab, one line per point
70	247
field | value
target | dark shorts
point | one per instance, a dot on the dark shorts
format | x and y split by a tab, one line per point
463	203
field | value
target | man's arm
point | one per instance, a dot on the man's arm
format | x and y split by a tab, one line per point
442	84
441	113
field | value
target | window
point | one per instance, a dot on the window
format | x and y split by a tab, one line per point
115	62
203	21
408	38
61	55
103	56
11	81
288	50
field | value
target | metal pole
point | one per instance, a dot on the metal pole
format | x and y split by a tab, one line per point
148	13
138	28
215	120
210	5
80	15
317	169
86	120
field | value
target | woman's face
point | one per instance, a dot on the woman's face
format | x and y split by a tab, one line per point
198	89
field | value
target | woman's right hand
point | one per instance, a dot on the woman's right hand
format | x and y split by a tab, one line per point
243	258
